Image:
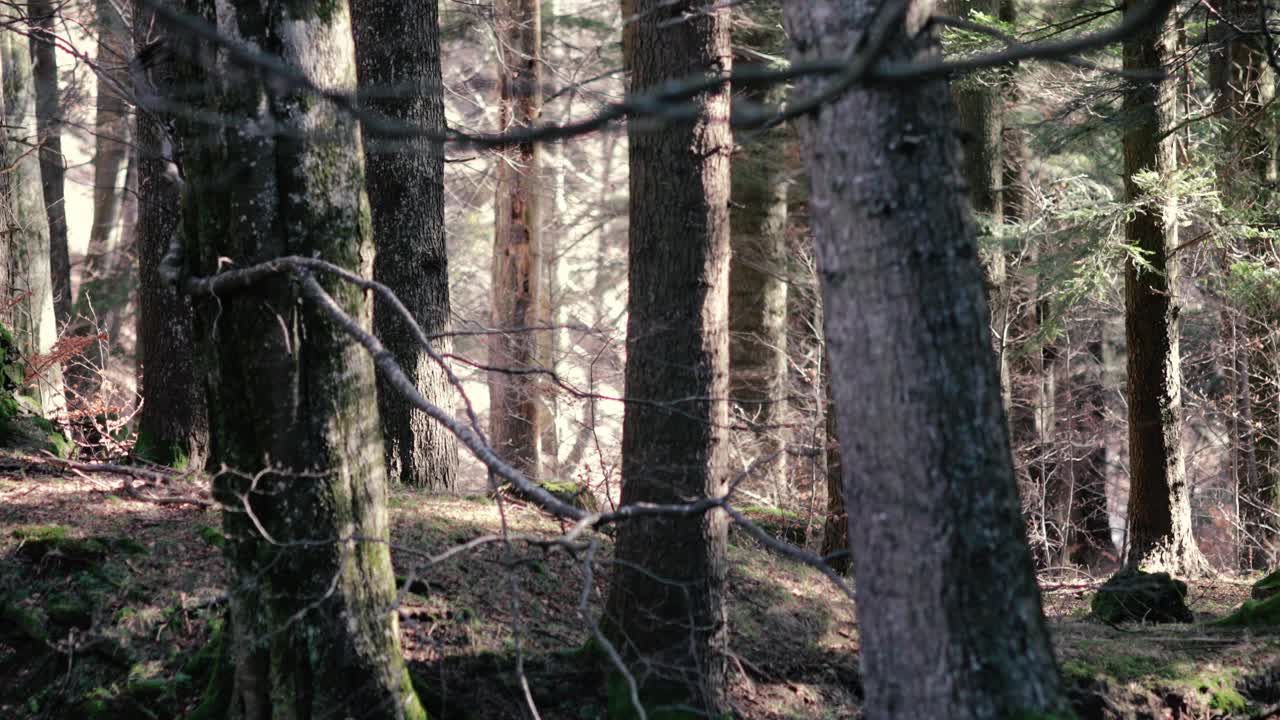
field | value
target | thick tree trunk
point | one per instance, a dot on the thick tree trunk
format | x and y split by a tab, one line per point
398	52
758	273
674	442
26	289
173	425
515	415
948	605
52	164
291	396
1159	509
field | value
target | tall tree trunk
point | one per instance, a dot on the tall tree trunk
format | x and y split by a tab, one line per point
1090	539
515	415
674	442
291	395
173	425
758	272
1243	82
1159	509
398	53
52	164
98	297
980	107
26	287
948	605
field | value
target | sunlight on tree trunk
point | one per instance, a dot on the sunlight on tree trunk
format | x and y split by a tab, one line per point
948	608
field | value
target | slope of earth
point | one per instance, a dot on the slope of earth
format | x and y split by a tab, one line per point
109	604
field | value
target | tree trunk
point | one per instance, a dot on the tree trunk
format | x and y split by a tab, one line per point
98	297
948	605
1159	509
515	415
52	164
1240	75
398	52
980	107
674	442
1090	516
835	529
26	288
291	396
758	272
173	425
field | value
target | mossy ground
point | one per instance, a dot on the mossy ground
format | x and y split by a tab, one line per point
145	630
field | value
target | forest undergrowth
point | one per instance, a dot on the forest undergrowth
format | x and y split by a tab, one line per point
111	607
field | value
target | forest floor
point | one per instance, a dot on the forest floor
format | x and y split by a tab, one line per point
109	619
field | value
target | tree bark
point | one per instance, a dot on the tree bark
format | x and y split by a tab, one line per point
173	424
674	441
835	529
948	605
515	415
758	272
52	164
398	53
26	287
291	395
1159	508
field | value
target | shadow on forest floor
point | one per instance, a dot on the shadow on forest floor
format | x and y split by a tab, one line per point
112	628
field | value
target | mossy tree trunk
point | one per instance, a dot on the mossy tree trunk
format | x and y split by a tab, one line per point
173	425
948	605
1159	507
26	286
292	397
515	413
758	272
398	55
674	443
52	165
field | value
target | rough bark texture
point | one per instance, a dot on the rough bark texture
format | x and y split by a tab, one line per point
26	290
1159	508
292	397
52	164
515	417
948	605
758	273
173	425
665	609
398	55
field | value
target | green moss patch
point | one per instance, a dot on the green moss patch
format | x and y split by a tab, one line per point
1254	613
777	523
1137	596
1266	587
